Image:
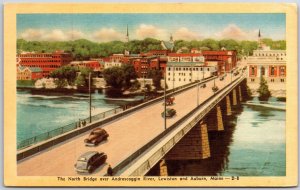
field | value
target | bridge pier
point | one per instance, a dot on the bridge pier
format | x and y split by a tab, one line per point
234	99
215	120
193	146
228	106
240	94
163	168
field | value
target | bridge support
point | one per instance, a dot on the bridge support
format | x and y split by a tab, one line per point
163	168
240	94
215	120
193	146
228	106
234	99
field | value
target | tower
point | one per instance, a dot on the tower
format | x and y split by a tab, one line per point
127	35
259	40
171	39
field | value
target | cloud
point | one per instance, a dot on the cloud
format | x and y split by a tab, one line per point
232	31
107	34
185	34
50	35
32	34
150	31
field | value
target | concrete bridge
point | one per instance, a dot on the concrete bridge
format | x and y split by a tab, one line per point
138	139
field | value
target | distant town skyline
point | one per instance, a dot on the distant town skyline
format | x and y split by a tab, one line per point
109	27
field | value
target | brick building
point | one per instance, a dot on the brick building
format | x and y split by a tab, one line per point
29	73
94	65
46	61
225	60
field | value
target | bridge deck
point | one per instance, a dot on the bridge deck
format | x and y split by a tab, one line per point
127	135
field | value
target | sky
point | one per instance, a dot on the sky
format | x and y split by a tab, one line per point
109	27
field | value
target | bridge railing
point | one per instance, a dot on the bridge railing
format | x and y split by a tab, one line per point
61	130
153	160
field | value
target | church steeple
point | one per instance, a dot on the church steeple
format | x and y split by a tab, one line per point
259	40
127	35
171	38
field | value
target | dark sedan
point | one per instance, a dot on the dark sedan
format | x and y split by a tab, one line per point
170	112
89	161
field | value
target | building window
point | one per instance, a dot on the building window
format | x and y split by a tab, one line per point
281	80
282	71
252	80
262	71
179	79
272	71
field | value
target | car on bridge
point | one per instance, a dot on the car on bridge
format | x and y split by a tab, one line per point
96	136
170	112
203	85
89	161
170	101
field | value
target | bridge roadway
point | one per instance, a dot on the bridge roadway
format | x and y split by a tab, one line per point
127	134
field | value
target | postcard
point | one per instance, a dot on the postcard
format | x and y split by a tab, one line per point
150	94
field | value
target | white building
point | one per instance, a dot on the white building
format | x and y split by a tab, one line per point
267	63
112	64
181	73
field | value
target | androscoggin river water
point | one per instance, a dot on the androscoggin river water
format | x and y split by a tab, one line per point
253	143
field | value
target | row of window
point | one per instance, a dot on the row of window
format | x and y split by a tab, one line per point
270	54
44	66
43	61
188	69
272	72
272	80
179	79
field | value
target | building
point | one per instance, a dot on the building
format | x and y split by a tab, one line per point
46	61
267	63
226	60
92	64
142	65
186	57
168	45
181	73
29	73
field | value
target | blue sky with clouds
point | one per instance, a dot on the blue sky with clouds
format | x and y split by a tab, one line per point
107	27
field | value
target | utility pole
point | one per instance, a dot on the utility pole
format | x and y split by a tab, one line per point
90	97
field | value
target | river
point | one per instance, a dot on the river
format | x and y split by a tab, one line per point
39	113
252	144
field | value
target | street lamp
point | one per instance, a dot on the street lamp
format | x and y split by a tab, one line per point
165	104
90	97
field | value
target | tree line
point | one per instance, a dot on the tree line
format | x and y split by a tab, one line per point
83	49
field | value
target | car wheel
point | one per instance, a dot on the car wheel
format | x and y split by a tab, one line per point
90	169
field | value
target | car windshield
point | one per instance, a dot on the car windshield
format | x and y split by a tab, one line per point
81	164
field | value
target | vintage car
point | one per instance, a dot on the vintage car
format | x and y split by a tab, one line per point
170	112
89	161
203	85
170	101
96	136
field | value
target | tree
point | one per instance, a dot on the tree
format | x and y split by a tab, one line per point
120	77
128	73
114	77
263	90
65	75
156	77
